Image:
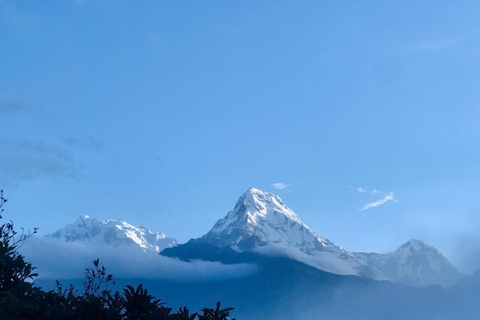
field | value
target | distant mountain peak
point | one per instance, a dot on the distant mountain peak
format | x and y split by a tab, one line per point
415	245
415	263
113	232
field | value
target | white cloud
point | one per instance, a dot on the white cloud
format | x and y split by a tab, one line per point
280	186
13	106
388	197
325	261
374	191
435	45
57	259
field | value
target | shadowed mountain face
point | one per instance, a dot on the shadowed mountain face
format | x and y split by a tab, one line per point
470	281
261	222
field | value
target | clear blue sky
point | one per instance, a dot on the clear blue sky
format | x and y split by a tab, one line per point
163	113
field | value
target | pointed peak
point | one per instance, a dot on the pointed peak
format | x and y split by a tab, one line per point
416	245
83	218
255	208
415	242
257	195
254	192
261	219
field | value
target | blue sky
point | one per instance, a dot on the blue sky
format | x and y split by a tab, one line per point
163	113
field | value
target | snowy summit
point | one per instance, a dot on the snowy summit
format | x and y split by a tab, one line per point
113	232
260	221
414	263
260	218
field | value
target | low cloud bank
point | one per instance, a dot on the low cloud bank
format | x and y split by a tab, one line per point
57	259
325	261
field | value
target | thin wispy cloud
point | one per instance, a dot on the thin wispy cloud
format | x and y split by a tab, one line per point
90	143
11	16
80	1
27	160
12	107
388	197
280	186
435	45
371	193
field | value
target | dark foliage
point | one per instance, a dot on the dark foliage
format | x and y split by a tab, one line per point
217	314
183	314
20	299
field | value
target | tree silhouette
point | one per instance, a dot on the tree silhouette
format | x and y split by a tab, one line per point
15	289
96	278
183	314
140	305
217	314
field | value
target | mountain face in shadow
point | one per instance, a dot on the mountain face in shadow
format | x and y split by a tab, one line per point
288	289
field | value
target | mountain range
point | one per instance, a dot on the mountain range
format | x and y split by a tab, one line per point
261	223
113	232
265	262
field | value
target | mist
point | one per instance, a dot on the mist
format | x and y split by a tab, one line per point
56	259
325	261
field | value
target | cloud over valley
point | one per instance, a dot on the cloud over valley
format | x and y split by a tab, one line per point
57	259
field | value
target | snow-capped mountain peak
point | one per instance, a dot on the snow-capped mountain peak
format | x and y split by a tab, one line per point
113	232
263	218
253	208
260	221
416	246
415	263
